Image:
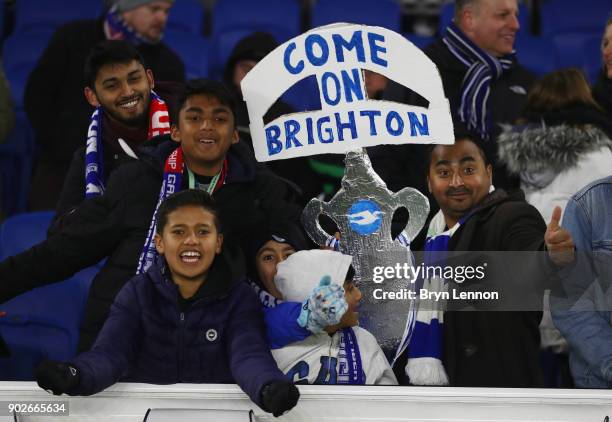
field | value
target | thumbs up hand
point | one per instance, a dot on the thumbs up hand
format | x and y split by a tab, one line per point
559	242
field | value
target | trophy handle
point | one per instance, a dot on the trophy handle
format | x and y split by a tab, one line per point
418	209
310	220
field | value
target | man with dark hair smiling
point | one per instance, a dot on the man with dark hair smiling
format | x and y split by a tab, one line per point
54	100
202	154
127	113
483	349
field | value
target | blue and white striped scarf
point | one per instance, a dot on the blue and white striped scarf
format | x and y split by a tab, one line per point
350	367
117	29
424	331
482	70
94	166
424	366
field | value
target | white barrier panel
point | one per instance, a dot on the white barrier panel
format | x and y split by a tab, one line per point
198	415
130	402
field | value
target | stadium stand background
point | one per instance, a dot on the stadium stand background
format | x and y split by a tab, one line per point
203	33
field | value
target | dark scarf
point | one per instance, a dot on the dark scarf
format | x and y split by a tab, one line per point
602	92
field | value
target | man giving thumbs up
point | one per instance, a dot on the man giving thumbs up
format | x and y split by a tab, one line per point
558	241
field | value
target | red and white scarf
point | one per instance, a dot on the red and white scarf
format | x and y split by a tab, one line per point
159	124
173	176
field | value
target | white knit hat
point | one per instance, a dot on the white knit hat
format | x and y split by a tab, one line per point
299	274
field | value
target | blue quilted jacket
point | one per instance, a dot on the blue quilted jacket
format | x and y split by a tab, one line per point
219	338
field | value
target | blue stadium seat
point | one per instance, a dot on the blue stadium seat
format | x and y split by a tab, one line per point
419	40
591	58
281	18
386	13
222	46
19	56
186	16
44	322
235	19
570	26
36	15
194	51
537	54
570	45
16	155
448	10
22	231
568	16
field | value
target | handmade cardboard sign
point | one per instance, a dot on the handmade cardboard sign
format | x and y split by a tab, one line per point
336	55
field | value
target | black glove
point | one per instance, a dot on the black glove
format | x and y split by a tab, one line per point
57	377
279	396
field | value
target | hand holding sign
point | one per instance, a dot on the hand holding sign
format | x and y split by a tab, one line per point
559	242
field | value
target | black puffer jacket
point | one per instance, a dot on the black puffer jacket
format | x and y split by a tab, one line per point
115	226
486	346
602	92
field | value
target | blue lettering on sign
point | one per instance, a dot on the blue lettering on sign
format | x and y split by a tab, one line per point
352	85
316	49
341	127
309	131
415	124
324	87
328	131
311	40
365	217
394	115
370	114
375	48
291	128
274	145
294	70
355	42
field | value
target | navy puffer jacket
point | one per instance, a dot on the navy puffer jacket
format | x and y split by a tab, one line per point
219	338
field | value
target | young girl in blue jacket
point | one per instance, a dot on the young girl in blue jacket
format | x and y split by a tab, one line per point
190	318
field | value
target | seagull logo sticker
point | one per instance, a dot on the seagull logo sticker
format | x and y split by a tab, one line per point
365	217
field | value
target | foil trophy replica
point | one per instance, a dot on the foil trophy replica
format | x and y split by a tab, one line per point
363	209
347	122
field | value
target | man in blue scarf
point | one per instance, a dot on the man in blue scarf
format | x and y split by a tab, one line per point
482	79
128	113
480	343
54	101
